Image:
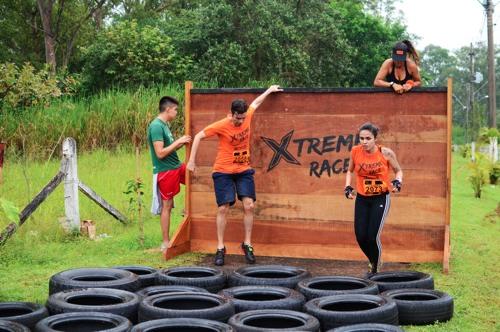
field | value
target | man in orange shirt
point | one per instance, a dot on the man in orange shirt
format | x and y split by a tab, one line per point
232	173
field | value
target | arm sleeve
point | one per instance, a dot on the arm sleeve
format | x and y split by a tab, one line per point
212	129
156	133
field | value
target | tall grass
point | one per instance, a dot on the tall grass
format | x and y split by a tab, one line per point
107	120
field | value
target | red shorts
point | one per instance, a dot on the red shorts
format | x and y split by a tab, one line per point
169	182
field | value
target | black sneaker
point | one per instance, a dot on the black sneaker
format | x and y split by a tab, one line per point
248	251
219	256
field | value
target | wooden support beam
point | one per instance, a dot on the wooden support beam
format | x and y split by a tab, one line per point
87	191
32	206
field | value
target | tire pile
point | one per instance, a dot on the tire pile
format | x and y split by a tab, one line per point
252	298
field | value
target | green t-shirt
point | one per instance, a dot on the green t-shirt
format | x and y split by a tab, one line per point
159	131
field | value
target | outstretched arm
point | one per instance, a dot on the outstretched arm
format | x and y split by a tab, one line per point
161	151
191	165
260	99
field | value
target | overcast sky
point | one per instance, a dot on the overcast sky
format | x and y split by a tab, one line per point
448	23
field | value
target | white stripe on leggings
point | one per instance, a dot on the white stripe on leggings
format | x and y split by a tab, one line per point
386	211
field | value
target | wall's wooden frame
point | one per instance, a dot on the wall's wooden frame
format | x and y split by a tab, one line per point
423	236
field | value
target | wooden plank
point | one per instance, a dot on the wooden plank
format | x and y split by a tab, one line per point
416	183
329	103
294	208
181	241
334	232
87	191
415	156
446	253
320	252
187	129
406	128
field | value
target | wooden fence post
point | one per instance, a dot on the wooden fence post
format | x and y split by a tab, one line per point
71	182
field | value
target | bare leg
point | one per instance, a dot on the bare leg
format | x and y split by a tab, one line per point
248	207
221	224
165	221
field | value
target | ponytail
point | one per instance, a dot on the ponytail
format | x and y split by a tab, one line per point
412	51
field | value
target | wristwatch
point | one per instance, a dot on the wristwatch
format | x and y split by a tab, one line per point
391	84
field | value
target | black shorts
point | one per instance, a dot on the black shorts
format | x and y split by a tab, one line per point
228	185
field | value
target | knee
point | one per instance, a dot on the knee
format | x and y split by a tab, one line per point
248	206
223	209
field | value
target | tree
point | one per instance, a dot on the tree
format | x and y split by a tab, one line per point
52	16
129	55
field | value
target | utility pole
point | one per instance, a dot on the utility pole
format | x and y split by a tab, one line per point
491	67
470	97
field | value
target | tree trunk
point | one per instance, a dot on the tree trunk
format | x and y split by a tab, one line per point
45	9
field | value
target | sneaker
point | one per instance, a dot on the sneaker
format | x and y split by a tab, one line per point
248	251
219	256
164	247
372	269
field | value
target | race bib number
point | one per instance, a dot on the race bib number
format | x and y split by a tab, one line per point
241	157
374	187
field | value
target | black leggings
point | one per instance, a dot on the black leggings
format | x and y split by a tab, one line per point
369	216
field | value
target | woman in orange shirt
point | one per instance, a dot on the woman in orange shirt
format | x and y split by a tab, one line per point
371	163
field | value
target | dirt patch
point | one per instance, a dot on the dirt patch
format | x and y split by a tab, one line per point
316	267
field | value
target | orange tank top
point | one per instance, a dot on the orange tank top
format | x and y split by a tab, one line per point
372	171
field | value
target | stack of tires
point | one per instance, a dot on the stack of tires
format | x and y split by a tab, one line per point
252	298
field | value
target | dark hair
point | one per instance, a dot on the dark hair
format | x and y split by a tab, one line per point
409	48
370	127
238	106
165	102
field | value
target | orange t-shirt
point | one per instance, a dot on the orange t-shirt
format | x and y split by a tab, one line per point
372	171
233	151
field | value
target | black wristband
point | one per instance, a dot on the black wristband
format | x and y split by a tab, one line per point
397	184
348	191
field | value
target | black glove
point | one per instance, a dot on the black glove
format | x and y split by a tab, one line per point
397	184
348	191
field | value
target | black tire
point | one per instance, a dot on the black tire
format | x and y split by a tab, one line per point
268	275
208	278
268	320
186	305
421	306
154	290
402	279
84	321
147	275
182	324
368	327
339	310
93	278
104	300
24	313
8	326
247	298
335	285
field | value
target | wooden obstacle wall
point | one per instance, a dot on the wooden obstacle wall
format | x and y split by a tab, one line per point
301	141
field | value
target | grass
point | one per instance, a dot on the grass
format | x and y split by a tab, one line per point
40	248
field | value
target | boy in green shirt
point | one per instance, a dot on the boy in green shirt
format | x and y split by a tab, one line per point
168	171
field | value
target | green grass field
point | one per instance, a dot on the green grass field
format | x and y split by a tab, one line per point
40	248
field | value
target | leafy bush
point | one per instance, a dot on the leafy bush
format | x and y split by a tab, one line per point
24	87
479	174
494	172
128	54
465	150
